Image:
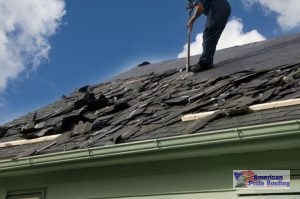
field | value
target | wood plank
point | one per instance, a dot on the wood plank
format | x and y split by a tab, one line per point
272	105
32	141
196	116
257	107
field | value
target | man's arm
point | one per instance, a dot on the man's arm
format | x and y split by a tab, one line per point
199	9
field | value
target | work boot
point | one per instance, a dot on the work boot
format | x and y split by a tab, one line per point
201	66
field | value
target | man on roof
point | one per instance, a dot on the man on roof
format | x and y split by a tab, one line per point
217	13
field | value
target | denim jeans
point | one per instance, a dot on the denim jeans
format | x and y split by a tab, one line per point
217	17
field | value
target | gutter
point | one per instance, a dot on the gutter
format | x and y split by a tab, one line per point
266	137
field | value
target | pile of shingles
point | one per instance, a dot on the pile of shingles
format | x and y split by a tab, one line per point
122	110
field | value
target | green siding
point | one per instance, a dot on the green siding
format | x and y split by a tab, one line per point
210	177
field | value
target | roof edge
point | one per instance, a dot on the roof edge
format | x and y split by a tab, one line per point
245	139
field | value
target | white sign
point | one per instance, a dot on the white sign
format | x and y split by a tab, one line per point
261	179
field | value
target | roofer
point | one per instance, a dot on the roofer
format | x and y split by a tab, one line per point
217	12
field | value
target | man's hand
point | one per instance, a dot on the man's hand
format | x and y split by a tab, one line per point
199	9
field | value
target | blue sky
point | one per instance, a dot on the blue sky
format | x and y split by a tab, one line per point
49	48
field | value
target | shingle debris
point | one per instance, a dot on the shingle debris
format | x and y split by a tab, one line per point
148	107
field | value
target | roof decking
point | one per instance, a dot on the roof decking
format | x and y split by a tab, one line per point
148	102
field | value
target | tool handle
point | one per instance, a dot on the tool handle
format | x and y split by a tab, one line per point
188	61
190	9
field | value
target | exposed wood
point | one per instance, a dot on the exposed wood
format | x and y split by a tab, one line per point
277	104
197	116
32	141
257	107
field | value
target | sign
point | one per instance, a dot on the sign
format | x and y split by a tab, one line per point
261	179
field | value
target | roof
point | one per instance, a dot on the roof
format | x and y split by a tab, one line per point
147	102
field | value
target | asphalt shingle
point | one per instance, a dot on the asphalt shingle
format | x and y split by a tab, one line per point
148	102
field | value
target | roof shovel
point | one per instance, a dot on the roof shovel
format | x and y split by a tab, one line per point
188	56
190	9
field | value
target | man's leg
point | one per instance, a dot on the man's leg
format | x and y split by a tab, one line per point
216	21
211	36
215	24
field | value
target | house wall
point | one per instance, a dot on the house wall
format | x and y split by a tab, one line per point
206	177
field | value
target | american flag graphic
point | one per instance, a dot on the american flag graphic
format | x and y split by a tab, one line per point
250	176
